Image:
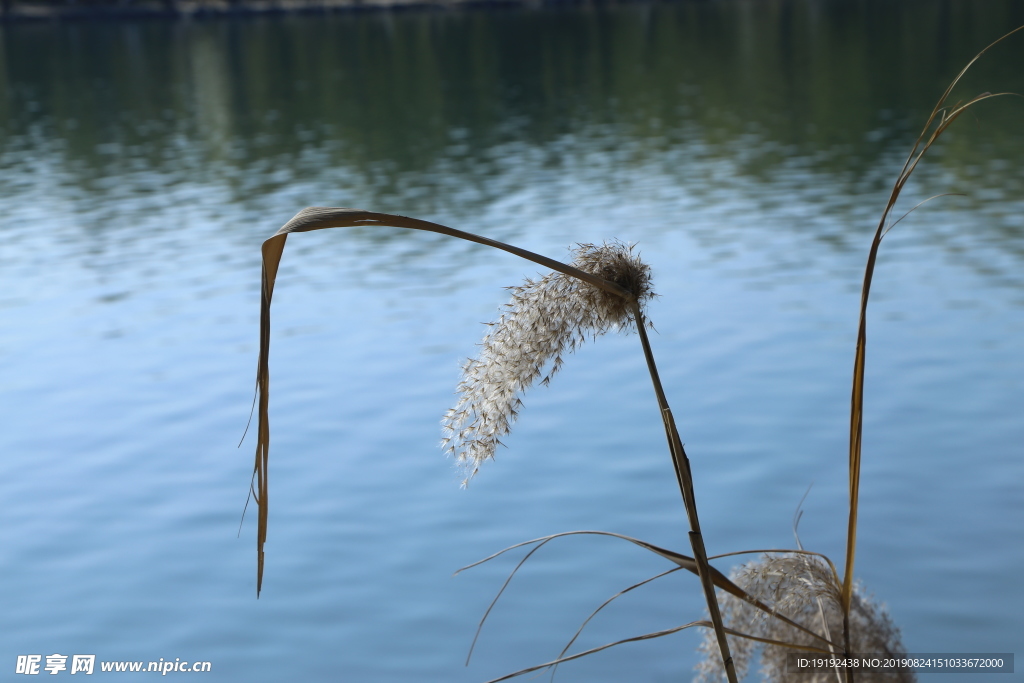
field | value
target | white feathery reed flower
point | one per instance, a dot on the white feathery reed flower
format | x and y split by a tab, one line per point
545	319
803	588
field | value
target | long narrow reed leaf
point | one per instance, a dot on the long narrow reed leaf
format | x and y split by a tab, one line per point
658	634
719	579
321	218
938	121
594	650
604	604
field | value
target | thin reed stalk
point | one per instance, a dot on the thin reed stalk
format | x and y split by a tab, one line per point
681	464
940	118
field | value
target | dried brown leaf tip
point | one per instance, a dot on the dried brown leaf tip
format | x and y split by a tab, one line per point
544	320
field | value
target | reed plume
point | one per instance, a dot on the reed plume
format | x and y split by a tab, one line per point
545	319
805	589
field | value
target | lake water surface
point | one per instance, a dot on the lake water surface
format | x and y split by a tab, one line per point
747	148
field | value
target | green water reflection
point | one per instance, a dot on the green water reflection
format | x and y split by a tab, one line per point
392	96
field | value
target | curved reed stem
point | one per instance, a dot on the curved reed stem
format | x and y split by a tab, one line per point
944	117
320	218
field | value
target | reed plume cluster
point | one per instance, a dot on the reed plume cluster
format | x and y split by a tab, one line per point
545	319
806	589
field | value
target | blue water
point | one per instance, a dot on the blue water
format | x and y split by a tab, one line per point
133	212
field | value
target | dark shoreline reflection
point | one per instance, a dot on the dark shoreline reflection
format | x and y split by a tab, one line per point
434	111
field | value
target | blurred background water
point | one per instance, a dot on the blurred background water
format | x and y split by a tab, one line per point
746	147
